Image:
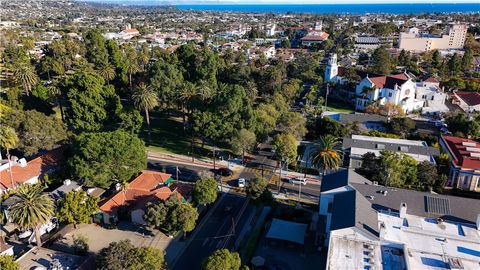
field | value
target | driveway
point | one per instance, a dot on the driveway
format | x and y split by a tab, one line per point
99	237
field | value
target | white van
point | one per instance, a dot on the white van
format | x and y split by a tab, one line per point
298	181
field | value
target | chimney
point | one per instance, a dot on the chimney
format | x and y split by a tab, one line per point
67	182
118	187
22	162
403	210
382	230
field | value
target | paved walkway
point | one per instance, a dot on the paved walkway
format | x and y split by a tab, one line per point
206	163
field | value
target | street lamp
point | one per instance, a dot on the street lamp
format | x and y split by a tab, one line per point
214	149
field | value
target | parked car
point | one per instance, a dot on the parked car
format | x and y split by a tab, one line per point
298	181
224	172
241	182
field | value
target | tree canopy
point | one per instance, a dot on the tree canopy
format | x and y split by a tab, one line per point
103	158
171	216
77	207
124	255
205	191
35	130
91	104
8	263
222	259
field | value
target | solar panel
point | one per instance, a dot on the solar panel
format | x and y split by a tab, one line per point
437	205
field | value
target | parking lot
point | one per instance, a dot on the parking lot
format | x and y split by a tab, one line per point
99	237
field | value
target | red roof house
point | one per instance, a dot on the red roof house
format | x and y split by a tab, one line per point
468	101
29	172
149	186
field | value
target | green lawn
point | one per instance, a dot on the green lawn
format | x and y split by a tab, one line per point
168	136
338	106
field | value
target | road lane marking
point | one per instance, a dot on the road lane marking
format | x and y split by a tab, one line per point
205	241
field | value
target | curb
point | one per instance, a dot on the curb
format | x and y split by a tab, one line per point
196	230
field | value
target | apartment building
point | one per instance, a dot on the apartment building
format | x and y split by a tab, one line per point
465	162
369	226
358	145
415	41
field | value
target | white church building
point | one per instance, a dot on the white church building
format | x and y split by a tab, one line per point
398	89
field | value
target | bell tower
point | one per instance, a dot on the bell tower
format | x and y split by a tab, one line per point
331	71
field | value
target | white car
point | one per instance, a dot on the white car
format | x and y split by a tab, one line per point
297	181
241	182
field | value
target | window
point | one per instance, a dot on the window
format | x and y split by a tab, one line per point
390	94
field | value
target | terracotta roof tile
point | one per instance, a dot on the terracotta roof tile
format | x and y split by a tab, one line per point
148	186
462	156
471	98
34	168
432	80
389	81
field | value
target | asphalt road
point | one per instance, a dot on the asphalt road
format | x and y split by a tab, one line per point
308	191
254	167
216	232
188	173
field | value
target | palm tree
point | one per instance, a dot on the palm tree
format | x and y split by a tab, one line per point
32	210
131	67
145	99
184	96
55	93
25	74
107	72
328	156
8	140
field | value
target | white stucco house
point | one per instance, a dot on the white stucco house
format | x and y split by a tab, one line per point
396	89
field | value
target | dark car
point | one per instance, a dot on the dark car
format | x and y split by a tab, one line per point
224	172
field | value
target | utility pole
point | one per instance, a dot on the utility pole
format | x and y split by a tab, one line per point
214	158
326	97
280	176
299	190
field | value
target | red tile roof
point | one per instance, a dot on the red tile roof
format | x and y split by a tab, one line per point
389	81
432	80
130	31
316	36
146	187
34	168
471	98
463	153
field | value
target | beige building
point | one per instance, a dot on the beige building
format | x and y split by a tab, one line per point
414	41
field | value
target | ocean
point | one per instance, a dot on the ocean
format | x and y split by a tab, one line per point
341	8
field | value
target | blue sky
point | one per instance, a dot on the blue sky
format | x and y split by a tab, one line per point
289	1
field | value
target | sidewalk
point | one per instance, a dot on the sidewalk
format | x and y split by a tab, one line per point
313	179
200	162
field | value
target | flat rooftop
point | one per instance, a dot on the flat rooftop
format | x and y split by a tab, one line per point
352	251
42	257
358	152
433	244
389	140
